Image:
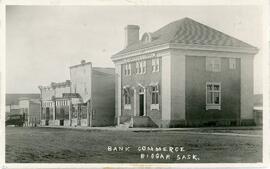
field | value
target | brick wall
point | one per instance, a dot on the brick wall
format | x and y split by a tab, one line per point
196	78
145	80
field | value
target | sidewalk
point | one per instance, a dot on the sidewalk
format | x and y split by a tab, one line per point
115	128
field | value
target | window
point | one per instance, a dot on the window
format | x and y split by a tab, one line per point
213	96
232	63
154	97
141	67
127	69
213	64
137	67
155	65
127	98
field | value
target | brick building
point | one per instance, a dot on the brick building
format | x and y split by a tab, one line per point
184	74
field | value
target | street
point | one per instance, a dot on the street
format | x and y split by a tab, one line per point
49	145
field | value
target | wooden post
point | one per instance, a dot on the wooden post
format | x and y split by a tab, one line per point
54	111
69	112
87	113
91	114
40	113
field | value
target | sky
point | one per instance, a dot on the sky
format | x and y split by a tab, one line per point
43	41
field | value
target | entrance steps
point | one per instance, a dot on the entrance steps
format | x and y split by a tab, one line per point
143	121
126	124
137	121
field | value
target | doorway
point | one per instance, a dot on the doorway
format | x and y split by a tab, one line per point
47	116
141	105
62	116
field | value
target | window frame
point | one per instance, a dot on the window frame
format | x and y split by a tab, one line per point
213	105
127	69
155	65
141	67
232	63
210	63
127	99
154	97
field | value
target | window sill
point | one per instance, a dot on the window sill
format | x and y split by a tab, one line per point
154	106
211	107
140	73
127	106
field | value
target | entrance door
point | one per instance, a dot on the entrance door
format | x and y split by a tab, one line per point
47	116
62	116
141	100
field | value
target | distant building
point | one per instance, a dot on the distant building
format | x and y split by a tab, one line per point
86	100
12	98
55	108
258	109
95	86
12	109
26	112
184	74
30	109
13	115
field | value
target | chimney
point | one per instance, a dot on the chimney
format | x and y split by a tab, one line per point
83	62
132	34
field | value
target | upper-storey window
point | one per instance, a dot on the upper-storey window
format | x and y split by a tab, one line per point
155	65
213	64
141	67
232	63
127	69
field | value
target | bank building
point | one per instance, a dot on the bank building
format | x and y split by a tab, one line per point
184	74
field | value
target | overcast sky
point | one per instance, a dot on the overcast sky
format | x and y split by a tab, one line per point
43	41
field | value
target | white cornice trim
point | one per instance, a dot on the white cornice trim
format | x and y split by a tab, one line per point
166	46
140	52
214	48
142	57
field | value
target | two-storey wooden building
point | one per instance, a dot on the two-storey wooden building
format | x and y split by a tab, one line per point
184	74
55	108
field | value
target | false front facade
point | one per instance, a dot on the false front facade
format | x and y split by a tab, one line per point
184	74
87	99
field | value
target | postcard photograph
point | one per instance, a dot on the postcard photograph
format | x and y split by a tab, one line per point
134	84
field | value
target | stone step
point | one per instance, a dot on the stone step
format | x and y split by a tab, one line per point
125	124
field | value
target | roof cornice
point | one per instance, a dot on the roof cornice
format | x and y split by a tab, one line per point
166	46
